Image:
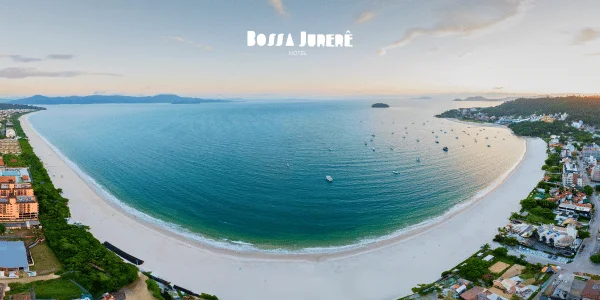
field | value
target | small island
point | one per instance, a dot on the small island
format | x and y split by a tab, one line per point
380	105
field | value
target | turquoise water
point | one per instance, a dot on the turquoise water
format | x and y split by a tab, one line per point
252	174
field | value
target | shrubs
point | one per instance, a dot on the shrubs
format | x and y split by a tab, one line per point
595	258
583	234
500	252
154	289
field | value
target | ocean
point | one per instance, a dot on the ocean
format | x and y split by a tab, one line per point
250	175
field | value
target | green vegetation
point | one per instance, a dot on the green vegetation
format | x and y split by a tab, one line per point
424	289
588	190
45	260
500	252
5	106
595	258
60	289
208	296
2	228
93	266
540	211
578	108
583	234
154	289
380	105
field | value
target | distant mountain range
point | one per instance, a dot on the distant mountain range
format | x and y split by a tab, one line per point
481	98
104	99
422	98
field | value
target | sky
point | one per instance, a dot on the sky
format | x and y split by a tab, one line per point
199	47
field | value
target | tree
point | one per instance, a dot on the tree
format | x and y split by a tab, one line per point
598	188
485	247
595	258
2	228
583	234
588	190
500	252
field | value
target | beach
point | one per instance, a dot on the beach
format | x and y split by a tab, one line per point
383	270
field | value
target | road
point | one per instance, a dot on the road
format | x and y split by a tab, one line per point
581	262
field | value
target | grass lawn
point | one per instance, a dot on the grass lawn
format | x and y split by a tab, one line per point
45	261
59	289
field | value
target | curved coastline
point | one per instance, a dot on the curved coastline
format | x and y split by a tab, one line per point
241	248
384	270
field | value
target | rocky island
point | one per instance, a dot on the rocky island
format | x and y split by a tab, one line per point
380	105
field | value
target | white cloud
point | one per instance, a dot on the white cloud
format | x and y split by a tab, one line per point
278	6
365	17
18	73
465	18
186	41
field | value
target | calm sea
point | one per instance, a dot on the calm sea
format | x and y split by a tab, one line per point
251	175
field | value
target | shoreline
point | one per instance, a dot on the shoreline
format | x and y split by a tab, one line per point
319	253
83	195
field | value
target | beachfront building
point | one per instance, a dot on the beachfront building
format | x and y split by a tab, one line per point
17	200
584	209
10	146
595	174
591	150
571	179
13	258
560	237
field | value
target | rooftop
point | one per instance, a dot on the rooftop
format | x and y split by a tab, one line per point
13	255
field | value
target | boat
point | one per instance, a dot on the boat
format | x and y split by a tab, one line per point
365	143
437	142
489	146
391	148
329	149
417	140
457	138
403	137
418	159
372	135
373	149
395	172
329	178
445	149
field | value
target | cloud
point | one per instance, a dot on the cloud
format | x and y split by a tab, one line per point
365	17
186	41
465	18
25	59
278	6
593	54
18	73
585	35
60	56
20	58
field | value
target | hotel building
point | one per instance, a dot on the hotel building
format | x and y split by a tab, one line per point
17	201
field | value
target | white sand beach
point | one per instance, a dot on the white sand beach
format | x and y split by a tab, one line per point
386	270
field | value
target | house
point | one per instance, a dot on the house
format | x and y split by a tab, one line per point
560	237
591	291
579	208
591	150
595	174
473	294
13	257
